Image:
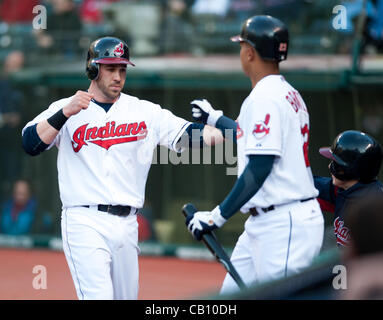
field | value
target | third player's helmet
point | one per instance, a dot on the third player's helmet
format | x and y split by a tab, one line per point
268	35
107	50
354	155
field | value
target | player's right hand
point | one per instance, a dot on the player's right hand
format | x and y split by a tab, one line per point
202	222
202	111
78	102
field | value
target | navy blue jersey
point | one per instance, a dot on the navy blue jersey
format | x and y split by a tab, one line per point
337	200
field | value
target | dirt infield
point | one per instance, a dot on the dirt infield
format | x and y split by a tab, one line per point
161	278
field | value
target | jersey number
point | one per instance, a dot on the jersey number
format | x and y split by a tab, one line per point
305	133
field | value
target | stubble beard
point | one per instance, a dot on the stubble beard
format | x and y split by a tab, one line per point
107	92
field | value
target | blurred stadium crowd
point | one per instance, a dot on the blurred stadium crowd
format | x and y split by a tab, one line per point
155	27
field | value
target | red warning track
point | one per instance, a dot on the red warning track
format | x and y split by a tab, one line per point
161	278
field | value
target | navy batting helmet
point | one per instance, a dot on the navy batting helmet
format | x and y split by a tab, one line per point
107	50
354	155
268	35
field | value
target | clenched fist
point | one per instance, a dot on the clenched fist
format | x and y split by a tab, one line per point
79	101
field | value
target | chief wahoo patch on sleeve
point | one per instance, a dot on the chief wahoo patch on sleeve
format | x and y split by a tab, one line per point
262	128
239	130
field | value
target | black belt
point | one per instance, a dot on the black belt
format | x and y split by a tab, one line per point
254	212
122	211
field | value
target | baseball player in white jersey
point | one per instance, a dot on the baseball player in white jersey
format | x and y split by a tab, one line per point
105	140
284	231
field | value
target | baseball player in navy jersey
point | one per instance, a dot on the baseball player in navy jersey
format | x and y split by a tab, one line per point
356	158
284	231
100	134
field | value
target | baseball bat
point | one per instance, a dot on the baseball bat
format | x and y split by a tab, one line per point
211	242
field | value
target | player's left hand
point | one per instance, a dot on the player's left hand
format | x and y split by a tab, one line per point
203	222
202	111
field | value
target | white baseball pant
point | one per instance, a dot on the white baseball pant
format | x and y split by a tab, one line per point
277	243
102	253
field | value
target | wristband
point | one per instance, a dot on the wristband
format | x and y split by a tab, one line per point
57	120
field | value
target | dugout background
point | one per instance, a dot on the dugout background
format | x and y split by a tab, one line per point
193	58
170	186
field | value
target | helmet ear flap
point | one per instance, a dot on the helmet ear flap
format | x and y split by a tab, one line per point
92	70
343	173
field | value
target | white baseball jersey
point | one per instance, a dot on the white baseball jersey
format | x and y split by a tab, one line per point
283	241
274	121
105	157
